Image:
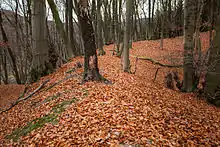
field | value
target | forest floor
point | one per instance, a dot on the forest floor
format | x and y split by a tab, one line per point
134	110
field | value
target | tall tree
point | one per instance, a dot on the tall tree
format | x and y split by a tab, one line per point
91	70
60	27
40	63
126	61
72	40
99	28
212	90
11	54
149	19
189	29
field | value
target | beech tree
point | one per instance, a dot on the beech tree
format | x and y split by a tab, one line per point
40	64
212	90
91	70
99	27
189	29
126	61
12	56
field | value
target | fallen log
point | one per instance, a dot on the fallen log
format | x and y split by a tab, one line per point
156	62
27	97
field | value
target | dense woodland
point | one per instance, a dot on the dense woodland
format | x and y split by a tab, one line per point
42	39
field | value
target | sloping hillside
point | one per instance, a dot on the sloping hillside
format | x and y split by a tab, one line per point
134	110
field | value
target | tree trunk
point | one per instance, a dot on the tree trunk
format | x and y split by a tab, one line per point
67	16
3	61
91	70
211	17
189	28
119	28
162	25
152	17
149	20
72	40
99	28
60	27
126	61
40	63
116	25
13	59
169	19
212	89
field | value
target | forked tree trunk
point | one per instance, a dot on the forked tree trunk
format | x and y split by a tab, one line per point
189	28
91	70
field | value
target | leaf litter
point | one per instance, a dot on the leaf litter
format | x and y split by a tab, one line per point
133	111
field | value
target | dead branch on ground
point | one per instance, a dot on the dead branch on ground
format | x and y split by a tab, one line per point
27	97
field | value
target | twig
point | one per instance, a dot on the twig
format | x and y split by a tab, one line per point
157	62
27	97
155	76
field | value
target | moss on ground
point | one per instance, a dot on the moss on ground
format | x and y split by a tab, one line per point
40	122
51	98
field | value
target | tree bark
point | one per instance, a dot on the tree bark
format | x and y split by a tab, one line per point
60	27
72	41
40	63
212	89
126	61
13	58
189	28
91	70
99	28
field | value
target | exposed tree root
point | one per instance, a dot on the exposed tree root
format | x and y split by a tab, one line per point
157	62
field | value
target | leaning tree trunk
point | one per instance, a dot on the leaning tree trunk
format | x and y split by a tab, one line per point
212	89
91	70
60	27
40	63
189	28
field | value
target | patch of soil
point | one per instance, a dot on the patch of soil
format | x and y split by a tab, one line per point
9	94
